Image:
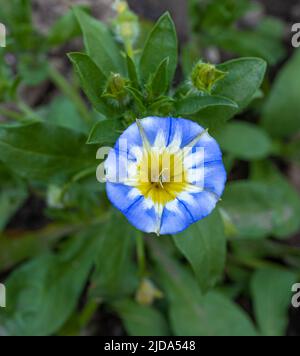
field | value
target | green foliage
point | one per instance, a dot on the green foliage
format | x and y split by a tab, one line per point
141	320
192	313
99	43
161	44
283	102
116	276
262	209
38	151
44	292
204	245
13	194
271	291
245	141
74	256
222	23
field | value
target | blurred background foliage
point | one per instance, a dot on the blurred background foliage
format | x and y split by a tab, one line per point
72	265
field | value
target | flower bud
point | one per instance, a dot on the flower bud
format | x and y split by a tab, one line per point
120	6
147	293
126	25
116	84
205	76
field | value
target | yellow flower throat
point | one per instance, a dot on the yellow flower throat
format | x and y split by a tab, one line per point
161	176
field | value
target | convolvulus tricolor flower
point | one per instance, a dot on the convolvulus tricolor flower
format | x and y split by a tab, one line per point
165	174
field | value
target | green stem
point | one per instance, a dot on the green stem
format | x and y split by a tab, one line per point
252	263
140	249
78	177
71	93
27	110
88	313
11	114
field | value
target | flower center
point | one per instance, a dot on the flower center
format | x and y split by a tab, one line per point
161	175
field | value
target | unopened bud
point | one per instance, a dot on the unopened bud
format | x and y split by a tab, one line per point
205	76
147	293
115	86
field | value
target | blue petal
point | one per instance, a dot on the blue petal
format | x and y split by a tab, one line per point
212	151
119	195
142	217
199	205
215	177
154	125
175	219
132	138
189	129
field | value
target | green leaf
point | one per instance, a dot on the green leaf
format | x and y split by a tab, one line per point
262	209
281	112
16	14
33	69
194	104
105	132
12	195
44	292
291	151
137	97
115	275
244	78
240	85
288	223
92	79
159	83
271	291
161	44
252	43
43	152
132	73
244	141
29	245
65	28
204	245
141	320
100	44
62	112
191	313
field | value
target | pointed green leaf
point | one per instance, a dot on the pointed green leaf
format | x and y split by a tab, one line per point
132	73
105	132
100	44
194	104
240	85
159	83
92	79
161	44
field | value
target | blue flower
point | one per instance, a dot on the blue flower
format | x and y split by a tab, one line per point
165	174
